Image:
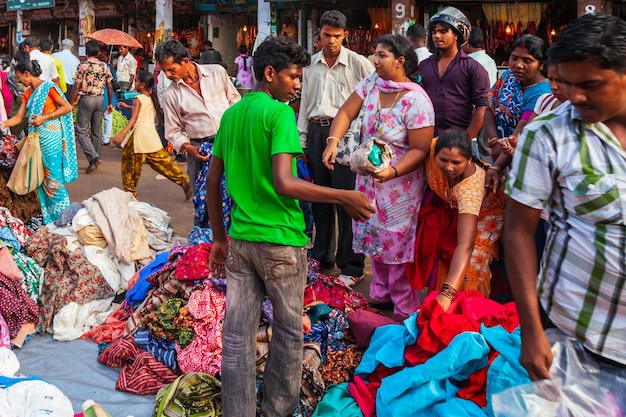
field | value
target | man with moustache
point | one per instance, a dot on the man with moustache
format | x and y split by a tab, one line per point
573	162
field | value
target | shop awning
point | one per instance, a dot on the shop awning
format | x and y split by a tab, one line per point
224	5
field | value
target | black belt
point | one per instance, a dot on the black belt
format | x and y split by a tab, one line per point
322	121
209	139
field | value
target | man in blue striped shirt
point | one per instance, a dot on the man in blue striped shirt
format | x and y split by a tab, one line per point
573	161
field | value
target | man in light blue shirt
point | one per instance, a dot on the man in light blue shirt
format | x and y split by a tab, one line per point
70	63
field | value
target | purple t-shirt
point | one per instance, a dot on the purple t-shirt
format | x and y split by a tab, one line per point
464	85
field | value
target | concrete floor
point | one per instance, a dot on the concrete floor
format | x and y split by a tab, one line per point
157	190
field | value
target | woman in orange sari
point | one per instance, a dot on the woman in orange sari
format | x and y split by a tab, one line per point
459	224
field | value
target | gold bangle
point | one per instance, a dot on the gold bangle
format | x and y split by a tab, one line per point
333	137
492	140
53	114
496	168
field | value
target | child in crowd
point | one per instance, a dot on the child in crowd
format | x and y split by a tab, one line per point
144	142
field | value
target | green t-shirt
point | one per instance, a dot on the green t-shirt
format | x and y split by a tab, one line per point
251	132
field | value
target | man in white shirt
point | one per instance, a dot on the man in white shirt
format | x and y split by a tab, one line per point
126	69
194	103
474	48
416	34
48	68
70	63
332	76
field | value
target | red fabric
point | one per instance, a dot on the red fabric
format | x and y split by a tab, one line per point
474	389
436	238
194	264
141	372
437	329
112	328
363	397
333	292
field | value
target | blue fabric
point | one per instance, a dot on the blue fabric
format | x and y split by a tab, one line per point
200	235
457	407
164	352
7	235
199	194
68	214
505	371
140	290
387	345
433	381
6	382
337	402
106	90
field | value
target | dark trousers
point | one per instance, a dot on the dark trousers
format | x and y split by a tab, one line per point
324	247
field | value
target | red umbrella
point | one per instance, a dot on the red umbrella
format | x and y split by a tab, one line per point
114	37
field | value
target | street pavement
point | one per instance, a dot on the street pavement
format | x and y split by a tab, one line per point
157	190
153	188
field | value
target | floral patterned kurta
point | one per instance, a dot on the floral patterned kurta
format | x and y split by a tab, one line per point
471	196
389	235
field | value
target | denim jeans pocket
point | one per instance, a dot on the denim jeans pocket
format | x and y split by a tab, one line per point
235	248
280	261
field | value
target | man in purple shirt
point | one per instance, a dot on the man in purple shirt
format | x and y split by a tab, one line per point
457	85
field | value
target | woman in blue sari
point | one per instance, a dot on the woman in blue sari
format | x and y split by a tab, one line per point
49	115
513	100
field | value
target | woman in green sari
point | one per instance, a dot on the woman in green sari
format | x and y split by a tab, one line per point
49	115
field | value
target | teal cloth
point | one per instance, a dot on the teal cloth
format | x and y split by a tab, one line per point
505	371
387	345
58	151
337	402
433	381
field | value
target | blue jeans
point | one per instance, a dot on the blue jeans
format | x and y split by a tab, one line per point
254	270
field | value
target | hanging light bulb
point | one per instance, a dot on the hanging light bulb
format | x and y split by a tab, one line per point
553	32
508	29
376	25
245	28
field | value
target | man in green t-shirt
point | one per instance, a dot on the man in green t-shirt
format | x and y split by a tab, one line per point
256	148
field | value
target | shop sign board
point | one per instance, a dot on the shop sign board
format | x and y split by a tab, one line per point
13	5
102	10
402	16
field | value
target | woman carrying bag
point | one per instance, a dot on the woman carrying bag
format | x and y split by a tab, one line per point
49	116
399	113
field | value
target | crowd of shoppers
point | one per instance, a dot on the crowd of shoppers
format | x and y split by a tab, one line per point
432	217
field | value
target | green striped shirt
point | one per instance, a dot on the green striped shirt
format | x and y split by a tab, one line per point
578	171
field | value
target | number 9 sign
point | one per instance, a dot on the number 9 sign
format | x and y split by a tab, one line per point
400	11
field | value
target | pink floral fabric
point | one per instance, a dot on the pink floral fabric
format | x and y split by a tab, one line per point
204	354
389	235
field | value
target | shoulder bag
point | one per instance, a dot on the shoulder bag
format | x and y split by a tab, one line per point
27	173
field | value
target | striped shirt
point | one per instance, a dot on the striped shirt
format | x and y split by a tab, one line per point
578	171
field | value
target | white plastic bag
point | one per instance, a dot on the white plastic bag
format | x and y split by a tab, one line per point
581	386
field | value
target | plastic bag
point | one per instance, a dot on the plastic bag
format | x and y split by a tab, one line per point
580	386
371	157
